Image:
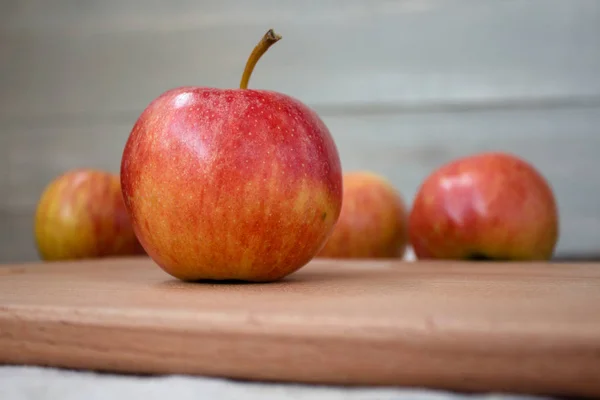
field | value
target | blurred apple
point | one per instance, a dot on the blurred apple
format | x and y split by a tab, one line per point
81	214
486	206
372	222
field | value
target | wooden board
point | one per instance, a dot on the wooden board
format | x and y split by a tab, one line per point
529	328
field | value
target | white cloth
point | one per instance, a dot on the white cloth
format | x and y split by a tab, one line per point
24	383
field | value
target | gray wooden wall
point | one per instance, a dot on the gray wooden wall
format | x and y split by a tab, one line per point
404	86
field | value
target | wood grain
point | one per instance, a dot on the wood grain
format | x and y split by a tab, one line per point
71	59
529	328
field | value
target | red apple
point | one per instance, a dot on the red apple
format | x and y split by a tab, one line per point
490	206
231	184
81	214
373	220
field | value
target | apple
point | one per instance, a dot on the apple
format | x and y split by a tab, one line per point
81	214
485	206
231	184
373	220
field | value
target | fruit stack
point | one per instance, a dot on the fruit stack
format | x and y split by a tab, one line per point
244	184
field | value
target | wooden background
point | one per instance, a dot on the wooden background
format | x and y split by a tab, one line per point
404	86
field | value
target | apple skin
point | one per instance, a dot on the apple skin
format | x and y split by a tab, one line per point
231	184
485	206
373	221
81	215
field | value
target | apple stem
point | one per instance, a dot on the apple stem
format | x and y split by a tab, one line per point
267	41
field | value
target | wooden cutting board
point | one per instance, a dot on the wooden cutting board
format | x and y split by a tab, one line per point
529	328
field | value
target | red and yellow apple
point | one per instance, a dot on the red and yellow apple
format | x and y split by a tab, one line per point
485	206
373	220
231	184
81	214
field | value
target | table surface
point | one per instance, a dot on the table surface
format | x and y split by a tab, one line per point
479	327
20	383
